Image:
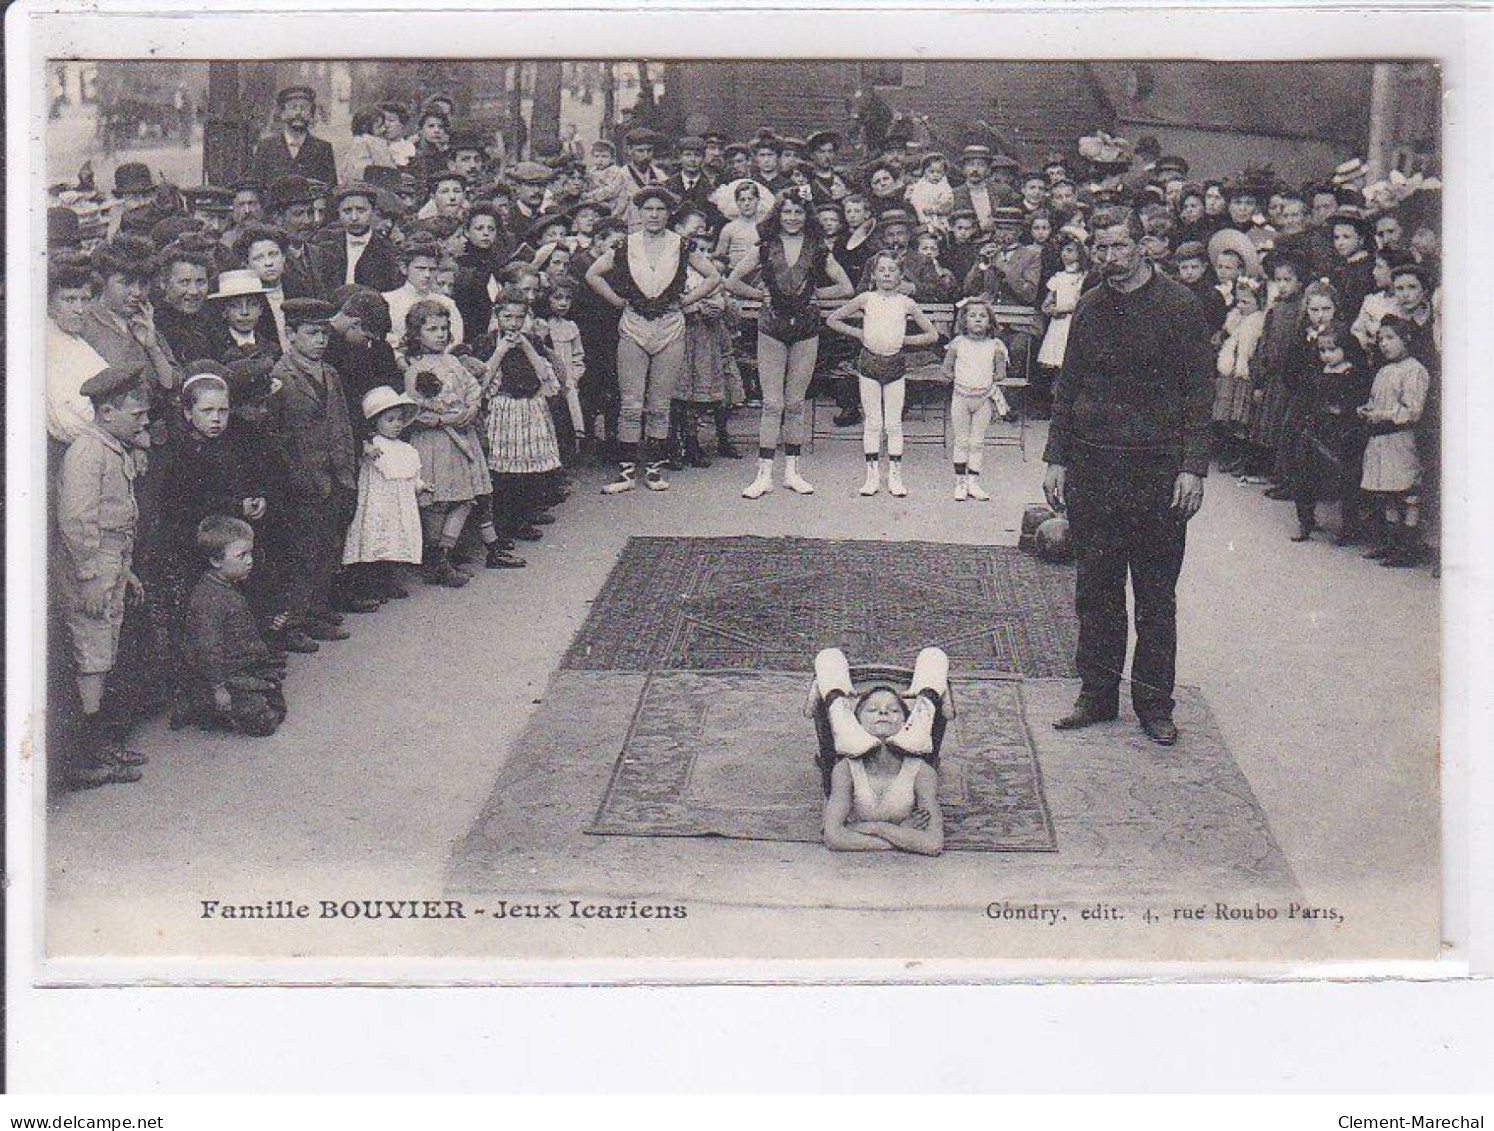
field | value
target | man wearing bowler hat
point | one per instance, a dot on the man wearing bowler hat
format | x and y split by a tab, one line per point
292	207
691	184
980	194
135	189
295	149
358	253
1127	453
823	146
211	205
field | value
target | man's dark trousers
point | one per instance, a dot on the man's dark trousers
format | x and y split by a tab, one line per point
1119	508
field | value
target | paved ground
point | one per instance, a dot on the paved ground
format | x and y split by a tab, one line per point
1321	668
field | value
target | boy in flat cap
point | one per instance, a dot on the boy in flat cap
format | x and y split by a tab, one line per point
295	149
97	519
317	438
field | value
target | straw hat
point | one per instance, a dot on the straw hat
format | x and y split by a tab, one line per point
382	399
1228	239
236	284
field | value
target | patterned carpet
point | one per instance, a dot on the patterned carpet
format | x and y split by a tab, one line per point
731	754
769	604
1135	823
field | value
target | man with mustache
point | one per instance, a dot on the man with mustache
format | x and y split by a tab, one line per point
295	149
1127	453
980	194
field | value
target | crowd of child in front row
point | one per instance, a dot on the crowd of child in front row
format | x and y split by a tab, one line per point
323	403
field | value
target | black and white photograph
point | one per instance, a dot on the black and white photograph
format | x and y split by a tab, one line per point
830	509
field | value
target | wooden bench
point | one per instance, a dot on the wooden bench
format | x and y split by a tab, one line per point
1011	317
925	378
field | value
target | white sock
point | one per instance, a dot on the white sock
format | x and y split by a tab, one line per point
917	735
851	738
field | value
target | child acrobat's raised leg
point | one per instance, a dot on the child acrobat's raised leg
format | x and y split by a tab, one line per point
832	679
930	683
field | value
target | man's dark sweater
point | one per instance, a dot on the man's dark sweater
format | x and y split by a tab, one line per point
1137	379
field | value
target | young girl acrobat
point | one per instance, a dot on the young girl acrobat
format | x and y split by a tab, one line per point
976	364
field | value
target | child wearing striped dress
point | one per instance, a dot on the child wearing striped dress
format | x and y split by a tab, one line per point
522	448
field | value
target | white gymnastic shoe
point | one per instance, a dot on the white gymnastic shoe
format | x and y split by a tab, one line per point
793	480
977	492
895	481
852	740
653	477
917	736
962	492
763	483
873	480
627	475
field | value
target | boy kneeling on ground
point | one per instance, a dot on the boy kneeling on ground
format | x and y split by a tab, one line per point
232	678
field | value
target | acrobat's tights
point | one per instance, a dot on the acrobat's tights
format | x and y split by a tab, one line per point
882	408
785	372
968	419
646	383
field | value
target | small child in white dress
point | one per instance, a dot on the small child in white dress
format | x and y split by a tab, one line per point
386	525
1064	289
932	196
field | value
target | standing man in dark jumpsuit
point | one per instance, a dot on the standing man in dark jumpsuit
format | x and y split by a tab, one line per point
1127	453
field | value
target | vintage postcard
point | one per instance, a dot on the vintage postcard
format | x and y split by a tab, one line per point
535	490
